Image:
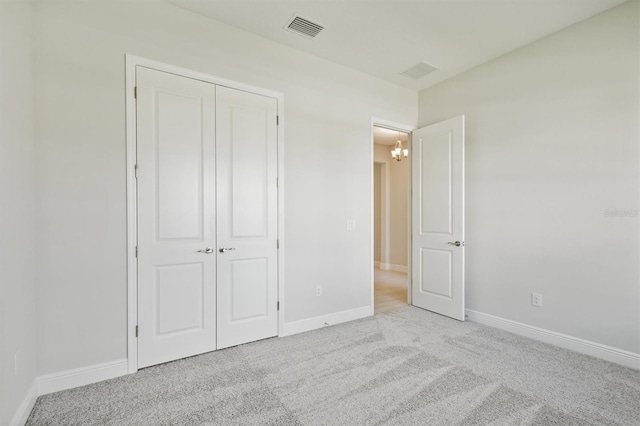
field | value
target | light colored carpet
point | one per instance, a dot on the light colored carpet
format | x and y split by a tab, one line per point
403	367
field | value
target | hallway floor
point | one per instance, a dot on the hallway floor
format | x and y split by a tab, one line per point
390	290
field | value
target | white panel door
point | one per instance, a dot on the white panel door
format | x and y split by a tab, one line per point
438	218
246	164
176	216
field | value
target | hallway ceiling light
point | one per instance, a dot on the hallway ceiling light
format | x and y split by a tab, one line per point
398	153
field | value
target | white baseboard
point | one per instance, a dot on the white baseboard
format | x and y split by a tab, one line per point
392	267
95	373
22	414
608	353
81	376
296	327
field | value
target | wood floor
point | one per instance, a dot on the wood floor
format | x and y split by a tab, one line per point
390	290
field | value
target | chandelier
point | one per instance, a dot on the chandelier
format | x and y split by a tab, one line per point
398	153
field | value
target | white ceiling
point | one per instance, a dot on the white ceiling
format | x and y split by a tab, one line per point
388	137
386	37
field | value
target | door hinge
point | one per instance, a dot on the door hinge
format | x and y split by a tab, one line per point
135	92
277	244
136	251
277	120
278	305
135	169
136	331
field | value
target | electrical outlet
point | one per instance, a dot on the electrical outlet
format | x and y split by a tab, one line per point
318	290
536	299
351	225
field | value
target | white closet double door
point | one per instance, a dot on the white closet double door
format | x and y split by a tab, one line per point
207	216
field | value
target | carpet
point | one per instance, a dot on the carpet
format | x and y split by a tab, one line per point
403	367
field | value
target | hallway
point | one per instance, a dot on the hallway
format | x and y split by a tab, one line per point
390	290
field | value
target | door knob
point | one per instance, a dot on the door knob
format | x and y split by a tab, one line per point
225	249
207	250
455	243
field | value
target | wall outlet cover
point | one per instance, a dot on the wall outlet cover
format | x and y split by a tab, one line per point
536	299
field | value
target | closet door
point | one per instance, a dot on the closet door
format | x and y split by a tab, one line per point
246	170
176	217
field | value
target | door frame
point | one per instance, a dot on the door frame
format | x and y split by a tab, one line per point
405	128
131	62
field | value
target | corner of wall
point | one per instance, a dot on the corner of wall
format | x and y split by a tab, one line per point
18	335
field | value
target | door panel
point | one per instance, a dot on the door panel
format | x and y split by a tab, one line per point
249	172
435	272
176	216
246	149
179	291
436	157
179	165
438	218
249	276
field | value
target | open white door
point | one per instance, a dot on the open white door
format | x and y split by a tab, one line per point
247	160
438	218
176	216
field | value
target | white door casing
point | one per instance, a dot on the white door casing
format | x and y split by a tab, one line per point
438	218
176	216
247	156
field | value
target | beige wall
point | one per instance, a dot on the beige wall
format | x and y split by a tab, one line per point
18	241
377	212
551	150
398	202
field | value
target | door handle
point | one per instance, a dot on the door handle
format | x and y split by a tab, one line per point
455	243
207	250
226	249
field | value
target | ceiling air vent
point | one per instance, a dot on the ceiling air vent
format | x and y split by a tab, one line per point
303	27
419	70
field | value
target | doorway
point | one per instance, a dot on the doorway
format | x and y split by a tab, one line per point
435	221
391	172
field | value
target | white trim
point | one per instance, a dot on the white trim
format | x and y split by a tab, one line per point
24	409
81	376
131	62
375	121
132	214
608	353
371	213
281	210
134	61
410	224
301	326
392	267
